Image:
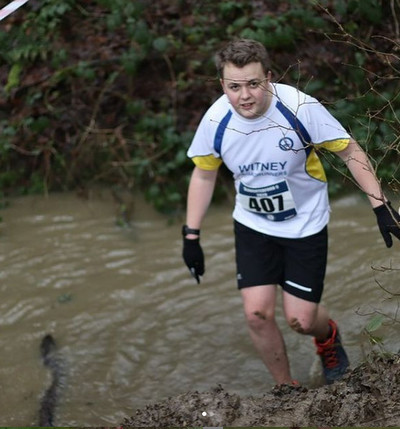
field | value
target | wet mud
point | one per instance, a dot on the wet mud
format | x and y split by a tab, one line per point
368	396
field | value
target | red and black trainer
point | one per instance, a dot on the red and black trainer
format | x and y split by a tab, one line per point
333	356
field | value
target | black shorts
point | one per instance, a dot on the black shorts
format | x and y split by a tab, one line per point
297	264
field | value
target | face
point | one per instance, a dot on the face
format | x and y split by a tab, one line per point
248	89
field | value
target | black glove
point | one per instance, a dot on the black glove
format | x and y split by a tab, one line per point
388	222
193	257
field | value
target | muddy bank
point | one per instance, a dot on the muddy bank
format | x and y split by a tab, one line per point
367	396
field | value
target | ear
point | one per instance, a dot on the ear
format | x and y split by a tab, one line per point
221	81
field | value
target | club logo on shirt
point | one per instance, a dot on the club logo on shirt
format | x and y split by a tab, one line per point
273	168
286	143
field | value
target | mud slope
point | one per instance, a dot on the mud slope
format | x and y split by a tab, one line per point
368	396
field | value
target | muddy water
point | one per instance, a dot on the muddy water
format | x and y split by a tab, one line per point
133	327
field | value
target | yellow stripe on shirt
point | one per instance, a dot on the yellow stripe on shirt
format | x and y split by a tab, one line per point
335	145
207	162
314	166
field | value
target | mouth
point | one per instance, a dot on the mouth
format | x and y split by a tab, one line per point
247	106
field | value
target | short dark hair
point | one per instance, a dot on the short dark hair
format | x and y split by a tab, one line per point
241	52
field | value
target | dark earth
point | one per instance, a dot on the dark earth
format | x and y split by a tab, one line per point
368	396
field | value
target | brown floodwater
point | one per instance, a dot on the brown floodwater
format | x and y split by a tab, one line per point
133	327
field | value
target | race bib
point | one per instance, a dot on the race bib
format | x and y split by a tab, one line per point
275	202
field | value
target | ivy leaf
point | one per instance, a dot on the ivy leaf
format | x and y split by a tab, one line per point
161	44
13	77
375	323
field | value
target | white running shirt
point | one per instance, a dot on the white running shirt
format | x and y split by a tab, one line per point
280	183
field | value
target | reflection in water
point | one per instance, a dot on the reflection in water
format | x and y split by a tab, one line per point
133	326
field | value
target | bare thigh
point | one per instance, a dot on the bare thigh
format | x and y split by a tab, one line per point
304	316
259	302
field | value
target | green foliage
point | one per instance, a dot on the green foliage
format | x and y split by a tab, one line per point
33	40
375	323
374	328
370	10
285	30
367	11
110	91
162	171
13	77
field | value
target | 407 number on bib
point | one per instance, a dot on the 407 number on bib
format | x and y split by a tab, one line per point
275	202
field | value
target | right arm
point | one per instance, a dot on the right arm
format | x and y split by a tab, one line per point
201	189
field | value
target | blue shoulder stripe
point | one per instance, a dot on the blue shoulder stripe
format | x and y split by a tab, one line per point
219	134
297	126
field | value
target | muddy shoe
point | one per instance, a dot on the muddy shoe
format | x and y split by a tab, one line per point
333	356
284	389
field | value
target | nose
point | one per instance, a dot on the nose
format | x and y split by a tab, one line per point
245	93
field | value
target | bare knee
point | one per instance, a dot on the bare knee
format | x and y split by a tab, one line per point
257	319
303	326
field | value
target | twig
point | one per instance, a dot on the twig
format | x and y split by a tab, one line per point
396	22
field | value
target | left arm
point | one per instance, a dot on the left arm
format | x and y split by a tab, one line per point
361	169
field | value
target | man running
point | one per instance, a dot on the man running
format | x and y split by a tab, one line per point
268	135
